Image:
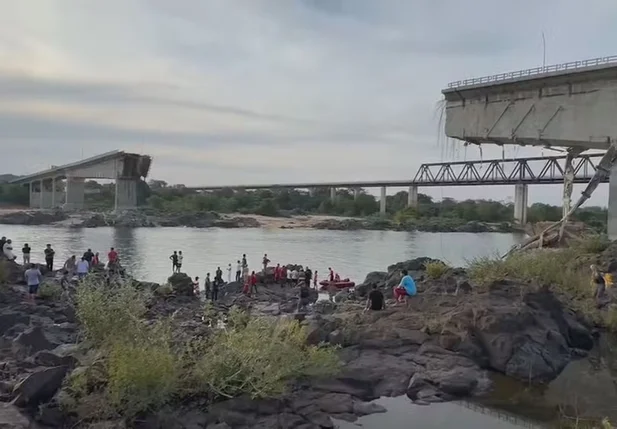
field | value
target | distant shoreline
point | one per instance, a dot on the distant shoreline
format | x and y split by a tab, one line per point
139	219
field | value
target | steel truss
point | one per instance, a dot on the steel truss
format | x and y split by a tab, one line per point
533	171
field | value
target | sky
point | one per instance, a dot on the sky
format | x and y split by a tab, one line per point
224	92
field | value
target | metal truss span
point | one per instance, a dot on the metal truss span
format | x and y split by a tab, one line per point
532	171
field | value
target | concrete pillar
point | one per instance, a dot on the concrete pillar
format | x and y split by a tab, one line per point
126	194
41	192
412	196
31	194
74	193
356	193
611	226
520	203
53	192
47	195
333	194
382	201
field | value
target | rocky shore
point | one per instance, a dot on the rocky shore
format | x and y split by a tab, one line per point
445	345
147	219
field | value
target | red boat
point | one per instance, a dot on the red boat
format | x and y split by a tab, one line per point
341	284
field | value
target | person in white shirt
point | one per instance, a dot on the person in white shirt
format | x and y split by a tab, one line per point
8	250
294	276
238	271
82	268
229	273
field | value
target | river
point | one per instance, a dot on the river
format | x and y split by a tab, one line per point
145	253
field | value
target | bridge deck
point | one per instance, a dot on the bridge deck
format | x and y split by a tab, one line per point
60	172
512	171
553	70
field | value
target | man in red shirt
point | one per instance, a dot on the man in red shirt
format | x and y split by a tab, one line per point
252	283
112	257
277	273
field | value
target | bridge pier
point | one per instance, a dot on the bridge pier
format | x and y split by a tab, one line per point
74	199
333	194
520	203
356	193
412	196
382	202
611	227
126	194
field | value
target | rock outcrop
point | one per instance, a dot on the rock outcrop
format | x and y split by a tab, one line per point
32	217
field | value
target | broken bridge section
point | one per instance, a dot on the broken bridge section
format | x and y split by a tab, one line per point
571	105
46	187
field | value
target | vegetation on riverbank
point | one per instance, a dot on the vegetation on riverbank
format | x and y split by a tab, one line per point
448	214
564	269
141	364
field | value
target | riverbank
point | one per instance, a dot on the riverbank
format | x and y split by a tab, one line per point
149	219
449	343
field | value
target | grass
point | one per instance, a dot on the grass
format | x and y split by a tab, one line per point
436	269
50	291
143	366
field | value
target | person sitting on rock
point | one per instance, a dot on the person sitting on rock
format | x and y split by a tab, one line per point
376	300
407	287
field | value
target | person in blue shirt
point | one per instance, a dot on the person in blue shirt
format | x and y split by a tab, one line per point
407	287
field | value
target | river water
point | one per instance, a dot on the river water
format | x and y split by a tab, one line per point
145	253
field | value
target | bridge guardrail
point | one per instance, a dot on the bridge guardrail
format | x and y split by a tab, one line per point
536	71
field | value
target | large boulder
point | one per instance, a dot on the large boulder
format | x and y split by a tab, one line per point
31	341
12	418
181	284
377	278
34	217
39	386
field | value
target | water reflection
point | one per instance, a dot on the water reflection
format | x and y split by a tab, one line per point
403	414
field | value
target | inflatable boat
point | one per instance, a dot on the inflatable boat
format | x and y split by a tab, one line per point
341	284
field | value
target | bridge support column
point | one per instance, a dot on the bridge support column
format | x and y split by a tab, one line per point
382	201
520	203
126	194
412	196
36	194
356	193
333	194
611	226
47	194
74	193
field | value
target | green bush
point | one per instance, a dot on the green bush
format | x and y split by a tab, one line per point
557	268
106	314
436	269
50	291
260	358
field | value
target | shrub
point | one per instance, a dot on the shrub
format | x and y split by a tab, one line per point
142	376
107	313
593	244
435	269
260	358
50	291
559	268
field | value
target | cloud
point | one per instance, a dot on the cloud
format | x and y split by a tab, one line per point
232	91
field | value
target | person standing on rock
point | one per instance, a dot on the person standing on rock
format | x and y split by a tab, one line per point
179	262
284	276
174	262
208	286
229	273
265	262
238	271
82	268
88	257
26	254
244	263
7	249
33	279
112	258
315	280
253	283
96	260
196	287
308	275
49	257
277	273
376	300
600	284
215	289
2	241
305	292
218	276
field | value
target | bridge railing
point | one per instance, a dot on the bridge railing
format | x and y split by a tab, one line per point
536	71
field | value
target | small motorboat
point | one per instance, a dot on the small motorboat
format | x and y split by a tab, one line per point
340	284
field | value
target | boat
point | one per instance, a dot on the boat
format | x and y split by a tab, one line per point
341	284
